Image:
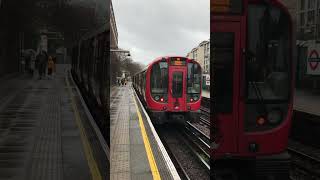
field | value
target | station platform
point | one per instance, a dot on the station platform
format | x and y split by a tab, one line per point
136	150
45	131
206	93
306	101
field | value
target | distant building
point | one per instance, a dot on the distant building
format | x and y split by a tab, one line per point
201	54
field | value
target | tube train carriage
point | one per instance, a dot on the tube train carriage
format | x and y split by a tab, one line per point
90	71
170	88
253	91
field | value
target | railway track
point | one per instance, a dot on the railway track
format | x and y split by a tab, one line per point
176	160
205	116
205	102
200	143
188	149
304	166
305	131
205	111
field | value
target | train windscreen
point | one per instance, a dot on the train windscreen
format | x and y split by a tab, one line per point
267	54
194	78
159	78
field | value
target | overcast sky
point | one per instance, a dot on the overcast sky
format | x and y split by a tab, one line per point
153	28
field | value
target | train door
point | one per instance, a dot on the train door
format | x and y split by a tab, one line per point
225	42
177	88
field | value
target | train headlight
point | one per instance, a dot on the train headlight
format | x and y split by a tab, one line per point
274	116
157	98
260	120
195	98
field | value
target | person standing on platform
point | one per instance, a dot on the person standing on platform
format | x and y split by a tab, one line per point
54	58
27	63
23	65
42	61
32	65
38	57
50	67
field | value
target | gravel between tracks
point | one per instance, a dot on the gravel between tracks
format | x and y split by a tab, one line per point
202	127
183	154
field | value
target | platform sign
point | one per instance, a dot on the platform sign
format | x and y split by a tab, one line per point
313	60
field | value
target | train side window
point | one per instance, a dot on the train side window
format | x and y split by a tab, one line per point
144	82
223	61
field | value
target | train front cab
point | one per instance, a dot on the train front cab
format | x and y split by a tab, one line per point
252	86
173	90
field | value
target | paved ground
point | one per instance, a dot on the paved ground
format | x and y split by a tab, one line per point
39	138
206	93
307	101
129	157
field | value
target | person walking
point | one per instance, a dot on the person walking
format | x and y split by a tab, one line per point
50	67
122	82
32	65
42	61
54	58
23	65
38	57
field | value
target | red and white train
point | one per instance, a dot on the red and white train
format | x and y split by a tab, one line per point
170	88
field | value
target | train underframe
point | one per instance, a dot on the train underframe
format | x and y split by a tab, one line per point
160	117
271	167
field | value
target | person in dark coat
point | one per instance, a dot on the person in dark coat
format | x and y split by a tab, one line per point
42	59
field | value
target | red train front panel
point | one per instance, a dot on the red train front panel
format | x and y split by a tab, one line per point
252	79
172	84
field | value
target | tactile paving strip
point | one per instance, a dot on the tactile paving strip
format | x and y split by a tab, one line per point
120	149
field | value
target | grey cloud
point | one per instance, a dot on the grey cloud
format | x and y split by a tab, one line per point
151	28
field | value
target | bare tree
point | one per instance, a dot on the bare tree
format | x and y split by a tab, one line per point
131	66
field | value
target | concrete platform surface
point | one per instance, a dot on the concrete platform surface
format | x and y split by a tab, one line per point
40	138
307	101
135	152
206	93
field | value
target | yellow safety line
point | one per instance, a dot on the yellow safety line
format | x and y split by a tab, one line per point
94	170
152	162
